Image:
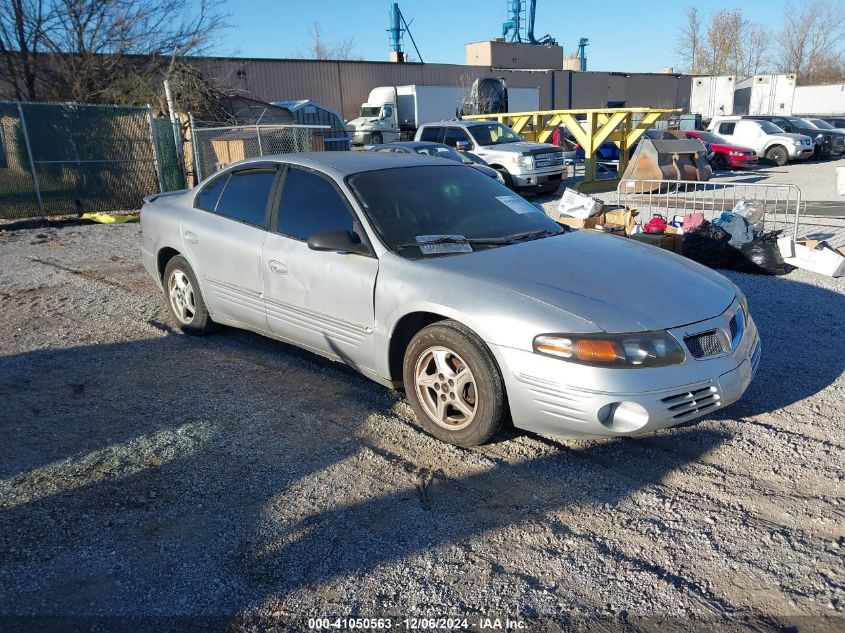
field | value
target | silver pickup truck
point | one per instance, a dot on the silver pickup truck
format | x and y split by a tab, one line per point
524	165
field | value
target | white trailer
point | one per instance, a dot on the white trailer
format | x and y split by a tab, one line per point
523	99
765	94
392	113
820	100
712	96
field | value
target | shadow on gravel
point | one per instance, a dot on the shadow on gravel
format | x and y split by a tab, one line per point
208	476
801	328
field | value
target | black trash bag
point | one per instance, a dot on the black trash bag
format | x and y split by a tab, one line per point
709	244
762	256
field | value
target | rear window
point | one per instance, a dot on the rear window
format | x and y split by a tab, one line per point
430	133
245	197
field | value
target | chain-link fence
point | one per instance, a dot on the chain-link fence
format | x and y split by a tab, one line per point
216	146
58	159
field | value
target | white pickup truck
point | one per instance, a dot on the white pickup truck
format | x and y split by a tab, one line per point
524	165
764	137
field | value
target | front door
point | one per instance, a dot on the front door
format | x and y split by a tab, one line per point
320	300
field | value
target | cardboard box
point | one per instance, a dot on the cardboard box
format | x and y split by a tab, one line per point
578	205
803	254
665	241
620	221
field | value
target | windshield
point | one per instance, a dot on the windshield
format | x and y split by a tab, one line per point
370	111
440	151
794	120
493	134
411	205
822	125
707	137
770	128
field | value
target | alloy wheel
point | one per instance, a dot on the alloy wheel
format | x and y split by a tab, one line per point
181	294
446	388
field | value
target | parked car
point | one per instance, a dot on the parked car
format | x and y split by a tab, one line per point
422	274
725	155
836	121
764	137
426	148
822	124
825	143
837	137
524	165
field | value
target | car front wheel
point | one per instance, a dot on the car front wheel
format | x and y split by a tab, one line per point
778	155
187	306
454	385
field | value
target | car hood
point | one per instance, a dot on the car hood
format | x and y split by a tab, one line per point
523	147
361	120
730	147
617	284
790	136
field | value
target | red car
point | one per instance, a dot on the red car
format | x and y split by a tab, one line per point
727	155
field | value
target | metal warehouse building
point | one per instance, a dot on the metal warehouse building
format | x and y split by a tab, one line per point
344	85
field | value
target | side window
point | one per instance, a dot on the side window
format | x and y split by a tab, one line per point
430	133
310	204
207	197
727	128
387	111
453	135
245	196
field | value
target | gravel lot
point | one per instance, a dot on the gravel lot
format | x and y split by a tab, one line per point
144	473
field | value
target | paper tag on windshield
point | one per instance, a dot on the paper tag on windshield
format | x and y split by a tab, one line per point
518	204
442	247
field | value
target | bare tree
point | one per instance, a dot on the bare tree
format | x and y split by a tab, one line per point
811	42
689	43
22	38
321	49
102	50
726	43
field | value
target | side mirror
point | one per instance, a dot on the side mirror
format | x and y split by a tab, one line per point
787	128
337	241
463	146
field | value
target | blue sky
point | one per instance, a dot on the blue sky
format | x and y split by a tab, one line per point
636	35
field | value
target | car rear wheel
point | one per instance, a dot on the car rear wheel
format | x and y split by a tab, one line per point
778	155
187	307
454	385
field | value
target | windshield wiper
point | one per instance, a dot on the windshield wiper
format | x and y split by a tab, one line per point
506	239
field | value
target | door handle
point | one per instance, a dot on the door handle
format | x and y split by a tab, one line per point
191	237
277	267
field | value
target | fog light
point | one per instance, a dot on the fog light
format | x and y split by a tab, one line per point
623	417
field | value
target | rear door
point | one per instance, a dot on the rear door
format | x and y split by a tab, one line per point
320	300
224	239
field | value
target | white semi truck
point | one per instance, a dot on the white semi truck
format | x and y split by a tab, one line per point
393	113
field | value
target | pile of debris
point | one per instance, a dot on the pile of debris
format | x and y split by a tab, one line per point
735	240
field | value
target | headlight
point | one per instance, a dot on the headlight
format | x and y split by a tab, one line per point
637	349
526	162
736	153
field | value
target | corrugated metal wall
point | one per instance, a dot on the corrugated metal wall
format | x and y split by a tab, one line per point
344	86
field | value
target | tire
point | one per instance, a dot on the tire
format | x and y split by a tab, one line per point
466	407
505	176
778	155
720	163
376	138
184	298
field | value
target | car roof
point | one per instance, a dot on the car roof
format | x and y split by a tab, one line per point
464	122
345	163
411	144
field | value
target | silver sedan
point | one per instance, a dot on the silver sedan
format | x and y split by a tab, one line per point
423	274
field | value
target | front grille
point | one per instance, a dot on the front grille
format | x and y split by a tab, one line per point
549	159
705	344
692	402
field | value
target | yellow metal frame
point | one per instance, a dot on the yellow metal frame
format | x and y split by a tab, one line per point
606	124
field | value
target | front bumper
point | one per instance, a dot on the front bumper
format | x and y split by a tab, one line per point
546	179
550	396
742	161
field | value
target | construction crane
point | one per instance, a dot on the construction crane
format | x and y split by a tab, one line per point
512	30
